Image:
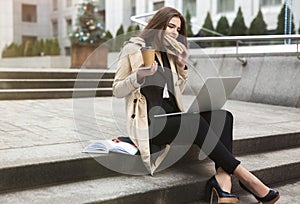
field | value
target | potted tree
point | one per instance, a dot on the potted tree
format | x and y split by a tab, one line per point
86	38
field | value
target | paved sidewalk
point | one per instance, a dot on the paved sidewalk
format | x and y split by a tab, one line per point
42	130
27	123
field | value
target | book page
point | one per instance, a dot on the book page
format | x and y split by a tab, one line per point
122	147
98	147
106	146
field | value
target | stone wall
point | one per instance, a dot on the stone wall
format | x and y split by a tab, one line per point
271	79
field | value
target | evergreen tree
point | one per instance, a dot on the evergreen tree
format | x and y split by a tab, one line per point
47	47
21	49
120	30
129	29
137	27
299	29
120	39
280	21
55	49
108	35
188	24
28	50
208	25
10	50
238	26
223	26
42	44
89	29
37	49
258	25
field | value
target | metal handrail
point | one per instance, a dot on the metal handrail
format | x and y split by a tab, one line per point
237	39
245	38
136	18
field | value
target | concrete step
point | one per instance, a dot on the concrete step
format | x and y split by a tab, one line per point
54	83
65	163
16	84
56	74
183	183
18	94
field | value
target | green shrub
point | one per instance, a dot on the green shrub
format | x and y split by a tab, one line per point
47	47
280	21
222	28
55	50
258	25
10	50
188	24
238	26
208	25
29	48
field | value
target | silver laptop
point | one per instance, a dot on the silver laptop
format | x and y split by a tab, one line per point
212	95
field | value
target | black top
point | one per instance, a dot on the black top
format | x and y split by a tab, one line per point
153	89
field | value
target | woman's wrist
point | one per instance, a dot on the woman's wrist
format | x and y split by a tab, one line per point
140	79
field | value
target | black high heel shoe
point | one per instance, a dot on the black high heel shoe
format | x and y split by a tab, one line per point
223	197
270	198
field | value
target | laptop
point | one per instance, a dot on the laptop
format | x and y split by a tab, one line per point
212	95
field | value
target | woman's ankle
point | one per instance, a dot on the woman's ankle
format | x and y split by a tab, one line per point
251	182
224	181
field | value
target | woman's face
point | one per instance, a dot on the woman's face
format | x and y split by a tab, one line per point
173	27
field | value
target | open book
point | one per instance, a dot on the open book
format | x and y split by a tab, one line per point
110	145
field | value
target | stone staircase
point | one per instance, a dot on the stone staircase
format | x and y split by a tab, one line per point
53	84
59	173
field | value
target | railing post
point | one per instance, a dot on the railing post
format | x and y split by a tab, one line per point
242	60
298	54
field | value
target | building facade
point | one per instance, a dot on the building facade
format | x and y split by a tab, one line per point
22	20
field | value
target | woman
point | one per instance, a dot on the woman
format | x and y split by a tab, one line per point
158	89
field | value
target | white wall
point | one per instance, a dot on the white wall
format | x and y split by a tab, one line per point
6	23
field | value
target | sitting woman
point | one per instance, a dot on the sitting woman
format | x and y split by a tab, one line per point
159	89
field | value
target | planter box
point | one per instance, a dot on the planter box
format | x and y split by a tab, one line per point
89	56
36	62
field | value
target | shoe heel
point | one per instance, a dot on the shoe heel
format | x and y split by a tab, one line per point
211	198
222	197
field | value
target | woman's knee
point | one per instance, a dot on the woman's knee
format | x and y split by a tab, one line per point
227	115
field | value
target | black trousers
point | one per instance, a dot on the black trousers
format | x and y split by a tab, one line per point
211	131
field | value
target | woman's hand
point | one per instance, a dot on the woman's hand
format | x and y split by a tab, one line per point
182	58
146	71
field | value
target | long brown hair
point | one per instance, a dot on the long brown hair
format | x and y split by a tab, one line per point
152	32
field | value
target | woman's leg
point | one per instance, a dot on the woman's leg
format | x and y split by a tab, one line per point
214	129
221	123
251	181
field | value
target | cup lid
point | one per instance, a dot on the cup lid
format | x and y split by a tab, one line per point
146	48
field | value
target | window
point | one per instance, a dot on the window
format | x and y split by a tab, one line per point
225	6
189	5
55	28
55	5
26	38
29	13
158	5
270	2
69	3
69	25
133	8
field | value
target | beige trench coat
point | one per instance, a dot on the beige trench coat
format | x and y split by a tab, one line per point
126	85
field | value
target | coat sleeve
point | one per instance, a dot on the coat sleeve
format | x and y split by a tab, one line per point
125	81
